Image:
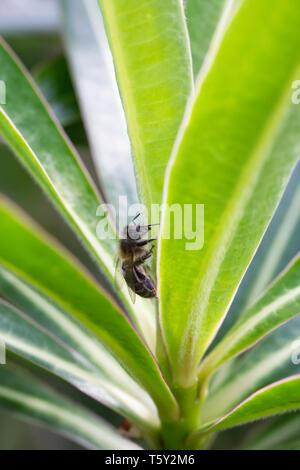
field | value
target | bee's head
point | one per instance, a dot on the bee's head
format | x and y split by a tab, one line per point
136	232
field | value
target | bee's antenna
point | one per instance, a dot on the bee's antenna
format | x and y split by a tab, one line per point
136	217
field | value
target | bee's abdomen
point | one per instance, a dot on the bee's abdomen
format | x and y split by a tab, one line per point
143	287
143	290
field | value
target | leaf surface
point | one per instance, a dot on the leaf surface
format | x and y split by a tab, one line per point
25	250
93	75
237	148
278	433
276	398
203	19
96	371
280	303
150	47
274	358
53	79
32	132
30	400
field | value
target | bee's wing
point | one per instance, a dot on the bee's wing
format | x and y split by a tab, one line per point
131	292
119	278
120	281
149	273
132	295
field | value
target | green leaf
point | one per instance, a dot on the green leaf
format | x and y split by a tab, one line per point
150	47
280	303
29	399
279	246
25	338
26	251
273	359
102	112
282	239
276	398
203	20
239	145
113	386
277	434
54	81
46	152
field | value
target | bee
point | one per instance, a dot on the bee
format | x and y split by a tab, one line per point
131	267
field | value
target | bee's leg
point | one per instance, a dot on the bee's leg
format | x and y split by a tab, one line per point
143	258
139	275
145	242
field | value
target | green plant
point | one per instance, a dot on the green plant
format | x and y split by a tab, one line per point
228	140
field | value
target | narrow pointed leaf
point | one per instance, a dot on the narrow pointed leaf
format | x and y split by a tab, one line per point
239	145
93	75
26	250
276	398
281	241
44	149
23	337
277	434
32	401
203	19
150	47
41	145
273	359
114	387
279	246
280	303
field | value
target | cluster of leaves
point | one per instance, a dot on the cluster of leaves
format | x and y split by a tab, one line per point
228	139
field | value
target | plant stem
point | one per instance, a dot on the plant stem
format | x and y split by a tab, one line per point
174	434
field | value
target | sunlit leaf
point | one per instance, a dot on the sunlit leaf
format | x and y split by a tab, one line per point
150	47
42	147
31	131
239	145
